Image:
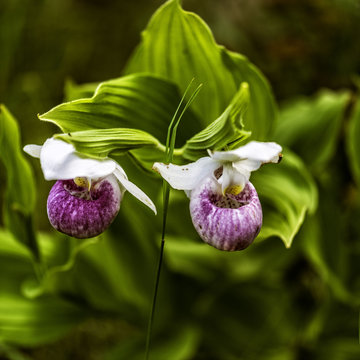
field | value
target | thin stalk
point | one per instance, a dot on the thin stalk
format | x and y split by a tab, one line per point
166	195
169	152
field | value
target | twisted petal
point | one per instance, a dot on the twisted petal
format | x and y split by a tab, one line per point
187	177
60	161
132	188
255	152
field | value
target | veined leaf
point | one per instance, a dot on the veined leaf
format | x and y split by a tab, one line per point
262	113
310	126
179	46
353	144
227	130
286	191
138	101
100	142
20	193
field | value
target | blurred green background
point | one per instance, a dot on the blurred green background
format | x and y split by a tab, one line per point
295	304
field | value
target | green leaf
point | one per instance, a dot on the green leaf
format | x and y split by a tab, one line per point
25	321
32	322
225	131
138	101
99	143
261	116
311	126
315	243
179	46
287	192
20	195
59	254
353	144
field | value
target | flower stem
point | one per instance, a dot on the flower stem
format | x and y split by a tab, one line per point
166	195
169	153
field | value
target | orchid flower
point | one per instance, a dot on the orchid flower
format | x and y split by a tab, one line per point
87	196
224	206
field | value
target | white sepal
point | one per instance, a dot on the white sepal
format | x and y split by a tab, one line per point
264	152
187	177
60	161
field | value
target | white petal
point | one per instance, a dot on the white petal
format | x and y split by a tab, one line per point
33	150
187	177
247	166
60	161
132	188
259	151
232	180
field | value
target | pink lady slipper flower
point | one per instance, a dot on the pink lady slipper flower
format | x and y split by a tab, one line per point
87	195
224	206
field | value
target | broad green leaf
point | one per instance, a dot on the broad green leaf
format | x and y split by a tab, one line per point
353	143
311	126
59	254
138	101
261	116
198	260
313	240
101	142
287	192
25	321
179	46
19	200
227	130
193	258
32	322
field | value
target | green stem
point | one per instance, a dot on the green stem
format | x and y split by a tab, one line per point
166	195
170	151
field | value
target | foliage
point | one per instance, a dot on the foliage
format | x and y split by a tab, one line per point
293	298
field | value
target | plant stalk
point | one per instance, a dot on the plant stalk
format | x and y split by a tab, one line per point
166	194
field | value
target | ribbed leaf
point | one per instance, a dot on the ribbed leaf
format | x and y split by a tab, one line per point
310	126
286	191
19	199
227	130
179	46
99	143
353	143
138	101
